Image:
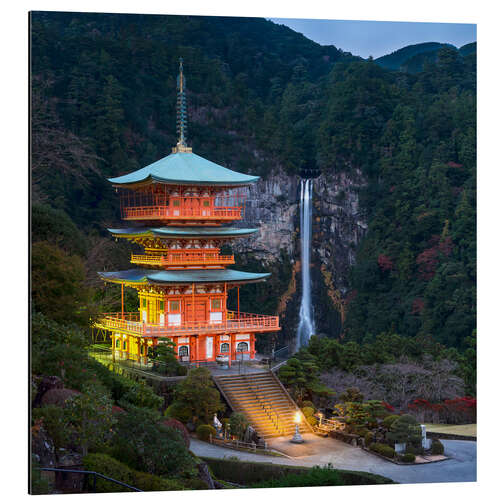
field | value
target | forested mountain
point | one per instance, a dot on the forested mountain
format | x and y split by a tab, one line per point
411	59
262	98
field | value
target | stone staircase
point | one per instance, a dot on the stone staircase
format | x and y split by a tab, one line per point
264	401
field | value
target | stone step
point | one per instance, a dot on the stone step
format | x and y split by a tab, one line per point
261	398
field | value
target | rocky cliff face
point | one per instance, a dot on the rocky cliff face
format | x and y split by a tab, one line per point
272	207
338	227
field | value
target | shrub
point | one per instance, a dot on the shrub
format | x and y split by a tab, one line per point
352	395
405	430
198	393
143	395
376	409
55	422
203	431
108	466
415	450
312	421
308	411
388	421
179	411
178	426
383	449
408	458
362	432
308	404
238	424
182	370
150	482
437	447
142	443
368	438
194	483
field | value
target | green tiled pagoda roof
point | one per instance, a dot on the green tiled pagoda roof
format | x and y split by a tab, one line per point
183	232
140	275
186	168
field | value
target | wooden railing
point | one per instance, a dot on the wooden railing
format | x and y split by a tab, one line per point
268	408
234	443
234	322
191	259
171	212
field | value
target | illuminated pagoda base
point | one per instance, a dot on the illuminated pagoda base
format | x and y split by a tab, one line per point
183	282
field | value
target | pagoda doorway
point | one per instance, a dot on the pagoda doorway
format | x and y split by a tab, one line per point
200	311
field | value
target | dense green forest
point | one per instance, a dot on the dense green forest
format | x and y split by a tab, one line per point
260	96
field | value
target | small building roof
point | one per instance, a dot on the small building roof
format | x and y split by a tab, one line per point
185	168
183	232
140	275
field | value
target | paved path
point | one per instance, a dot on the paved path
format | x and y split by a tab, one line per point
461	467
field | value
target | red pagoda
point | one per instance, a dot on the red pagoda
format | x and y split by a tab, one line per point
184	203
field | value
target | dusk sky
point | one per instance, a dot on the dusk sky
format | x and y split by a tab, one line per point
377	38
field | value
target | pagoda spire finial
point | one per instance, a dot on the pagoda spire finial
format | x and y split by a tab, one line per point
181	146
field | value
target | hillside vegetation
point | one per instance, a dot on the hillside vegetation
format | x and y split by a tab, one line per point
260	97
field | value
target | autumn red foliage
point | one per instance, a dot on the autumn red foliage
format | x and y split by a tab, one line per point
387	406
428	260
457	410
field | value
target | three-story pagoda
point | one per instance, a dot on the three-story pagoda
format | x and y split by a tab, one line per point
184	203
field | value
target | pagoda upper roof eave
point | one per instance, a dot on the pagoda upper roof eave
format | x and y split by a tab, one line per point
139	276
182	232
151	180
184	169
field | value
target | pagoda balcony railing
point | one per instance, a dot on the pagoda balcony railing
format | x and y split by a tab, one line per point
163	212
234	322
191	259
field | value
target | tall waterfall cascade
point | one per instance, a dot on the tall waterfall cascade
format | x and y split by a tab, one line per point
306	321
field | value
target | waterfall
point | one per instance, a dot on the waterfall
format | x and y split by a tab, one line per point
306	322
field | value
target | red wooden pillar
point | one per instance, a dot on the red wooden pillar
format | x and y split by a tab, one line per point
193	314
174	340
252	346
225	307
232	347
197	351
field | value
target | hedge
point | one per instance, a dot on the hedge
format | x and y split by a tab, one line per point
108	466
247	473
408	458
317	476
383	449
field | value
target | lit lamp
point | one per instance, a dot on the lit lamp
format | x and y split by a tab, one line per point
297	438
320	416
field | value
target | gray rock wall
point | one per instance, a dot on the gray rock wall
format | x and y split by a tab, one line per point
338	227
